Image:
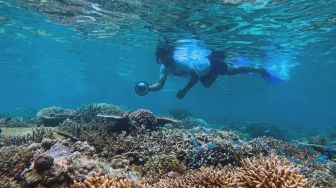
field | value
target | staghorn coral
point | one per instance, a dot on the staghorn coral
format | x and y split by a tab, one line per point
158	166
320	174
14	122
318	140
266	145
208	147
37	135
269	172
96	180
138	146
219	154
266	172
203	177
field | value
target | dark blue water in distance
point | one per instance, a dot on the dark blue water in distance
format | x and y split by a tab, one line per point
76	52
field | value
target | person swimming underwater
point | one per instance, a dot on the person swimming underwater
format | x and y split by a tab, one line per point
191	58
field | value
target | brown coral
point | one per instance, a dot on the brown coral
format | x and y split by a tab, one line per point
160	165
43	162
266	172
204	177
96	180
143	117
13	160
269	172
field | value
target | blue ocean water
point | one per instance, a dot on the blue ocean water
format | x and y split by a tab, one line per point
70	53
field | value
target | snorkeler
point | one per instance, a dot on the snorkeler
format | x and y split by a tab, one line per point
190	58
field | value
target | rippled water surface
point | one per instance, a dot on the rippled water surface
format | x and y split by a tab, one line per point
66	52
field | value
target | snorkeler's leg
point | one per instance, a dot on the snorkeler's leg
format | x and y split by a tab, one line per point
240	70
208	80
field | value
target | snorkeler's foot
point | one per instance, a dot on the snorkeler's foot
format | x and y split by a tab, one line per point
271	78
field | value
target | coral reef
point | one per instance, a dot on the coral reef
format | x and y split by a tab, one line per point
269	172
258	171
318	140
89	112
46	143
43	162
180	113
37	135
53	177
102	145
257	129
191	122
195	147
96	180
1	138
14	122
203	177
160	165
53	116
13	160
143	117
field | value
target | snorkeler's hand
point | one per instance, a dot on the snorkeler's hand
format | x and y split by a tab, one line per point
180	94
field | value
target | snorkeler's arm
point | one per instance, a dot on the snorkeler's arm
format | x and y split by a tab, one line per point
193	80
158	85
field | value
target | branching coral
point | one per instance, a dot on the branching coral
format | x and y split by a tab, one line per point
266	172
159	165
204	177
269	172
196	147
221	153
37	135
13	122
319	140
96	180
